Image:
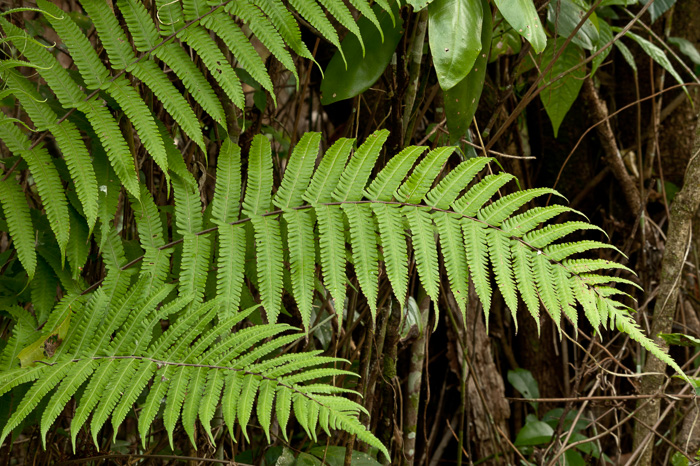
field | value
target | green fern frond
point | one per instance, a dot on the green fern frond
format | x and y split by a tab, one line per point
19	222
522	271
425	249
298	172
93	72
364	250
354	178
268	241
210	400
332	247
302	260
388	180
475	245
500	254
546	286
455	258
417	185
258	191
263	28
244	52
496	212
445	193
394	250
284	22
329	172
198	38
545	236
559	252
521	224
227	192
474	199
46	177
230	274
341	13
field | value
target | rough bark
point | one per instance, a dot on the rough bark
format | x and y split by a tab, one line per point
684	207
487	406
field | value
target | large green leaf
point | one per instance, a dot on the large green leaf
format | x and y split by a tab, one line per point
658	7
462	100
565	16
363	70
455	38
559	95
656	54
522	15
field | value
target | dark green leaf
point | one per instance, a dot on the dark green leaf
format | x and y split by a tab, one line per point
462	100
455	38
340	83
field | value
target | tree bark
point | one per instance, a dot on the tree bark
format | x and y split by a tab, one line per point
683	209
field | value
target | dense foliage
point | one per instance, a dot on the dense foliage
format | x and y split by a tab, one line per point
168	230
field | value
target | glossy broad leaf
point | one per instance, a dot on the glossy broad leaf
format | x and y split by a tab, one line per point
559	95
522	15
342	82
462	100
454	28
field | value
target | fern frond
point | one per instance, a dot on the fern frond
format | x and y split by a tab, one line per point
215	61
297	175
142	375
424	248
19	222
268	241
417	185
475	245
544	236
177	389
284	22
546	286
229	399
499	251
445	193
227	192
388	180
341	13
230	273
394	250
283	409
107	130
523	223
194	81
302	259
93	72
312	12
121	376
474	199
156	261
244	52
559	252
565	292
67	137
328	173
46	177
496	212
578	266
79	373
265	402
194	268
259	187
135	108
263	28
522	270
352	181
455	258
332	247
249	389
66	89
36	393
190	408
364	250
210	400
